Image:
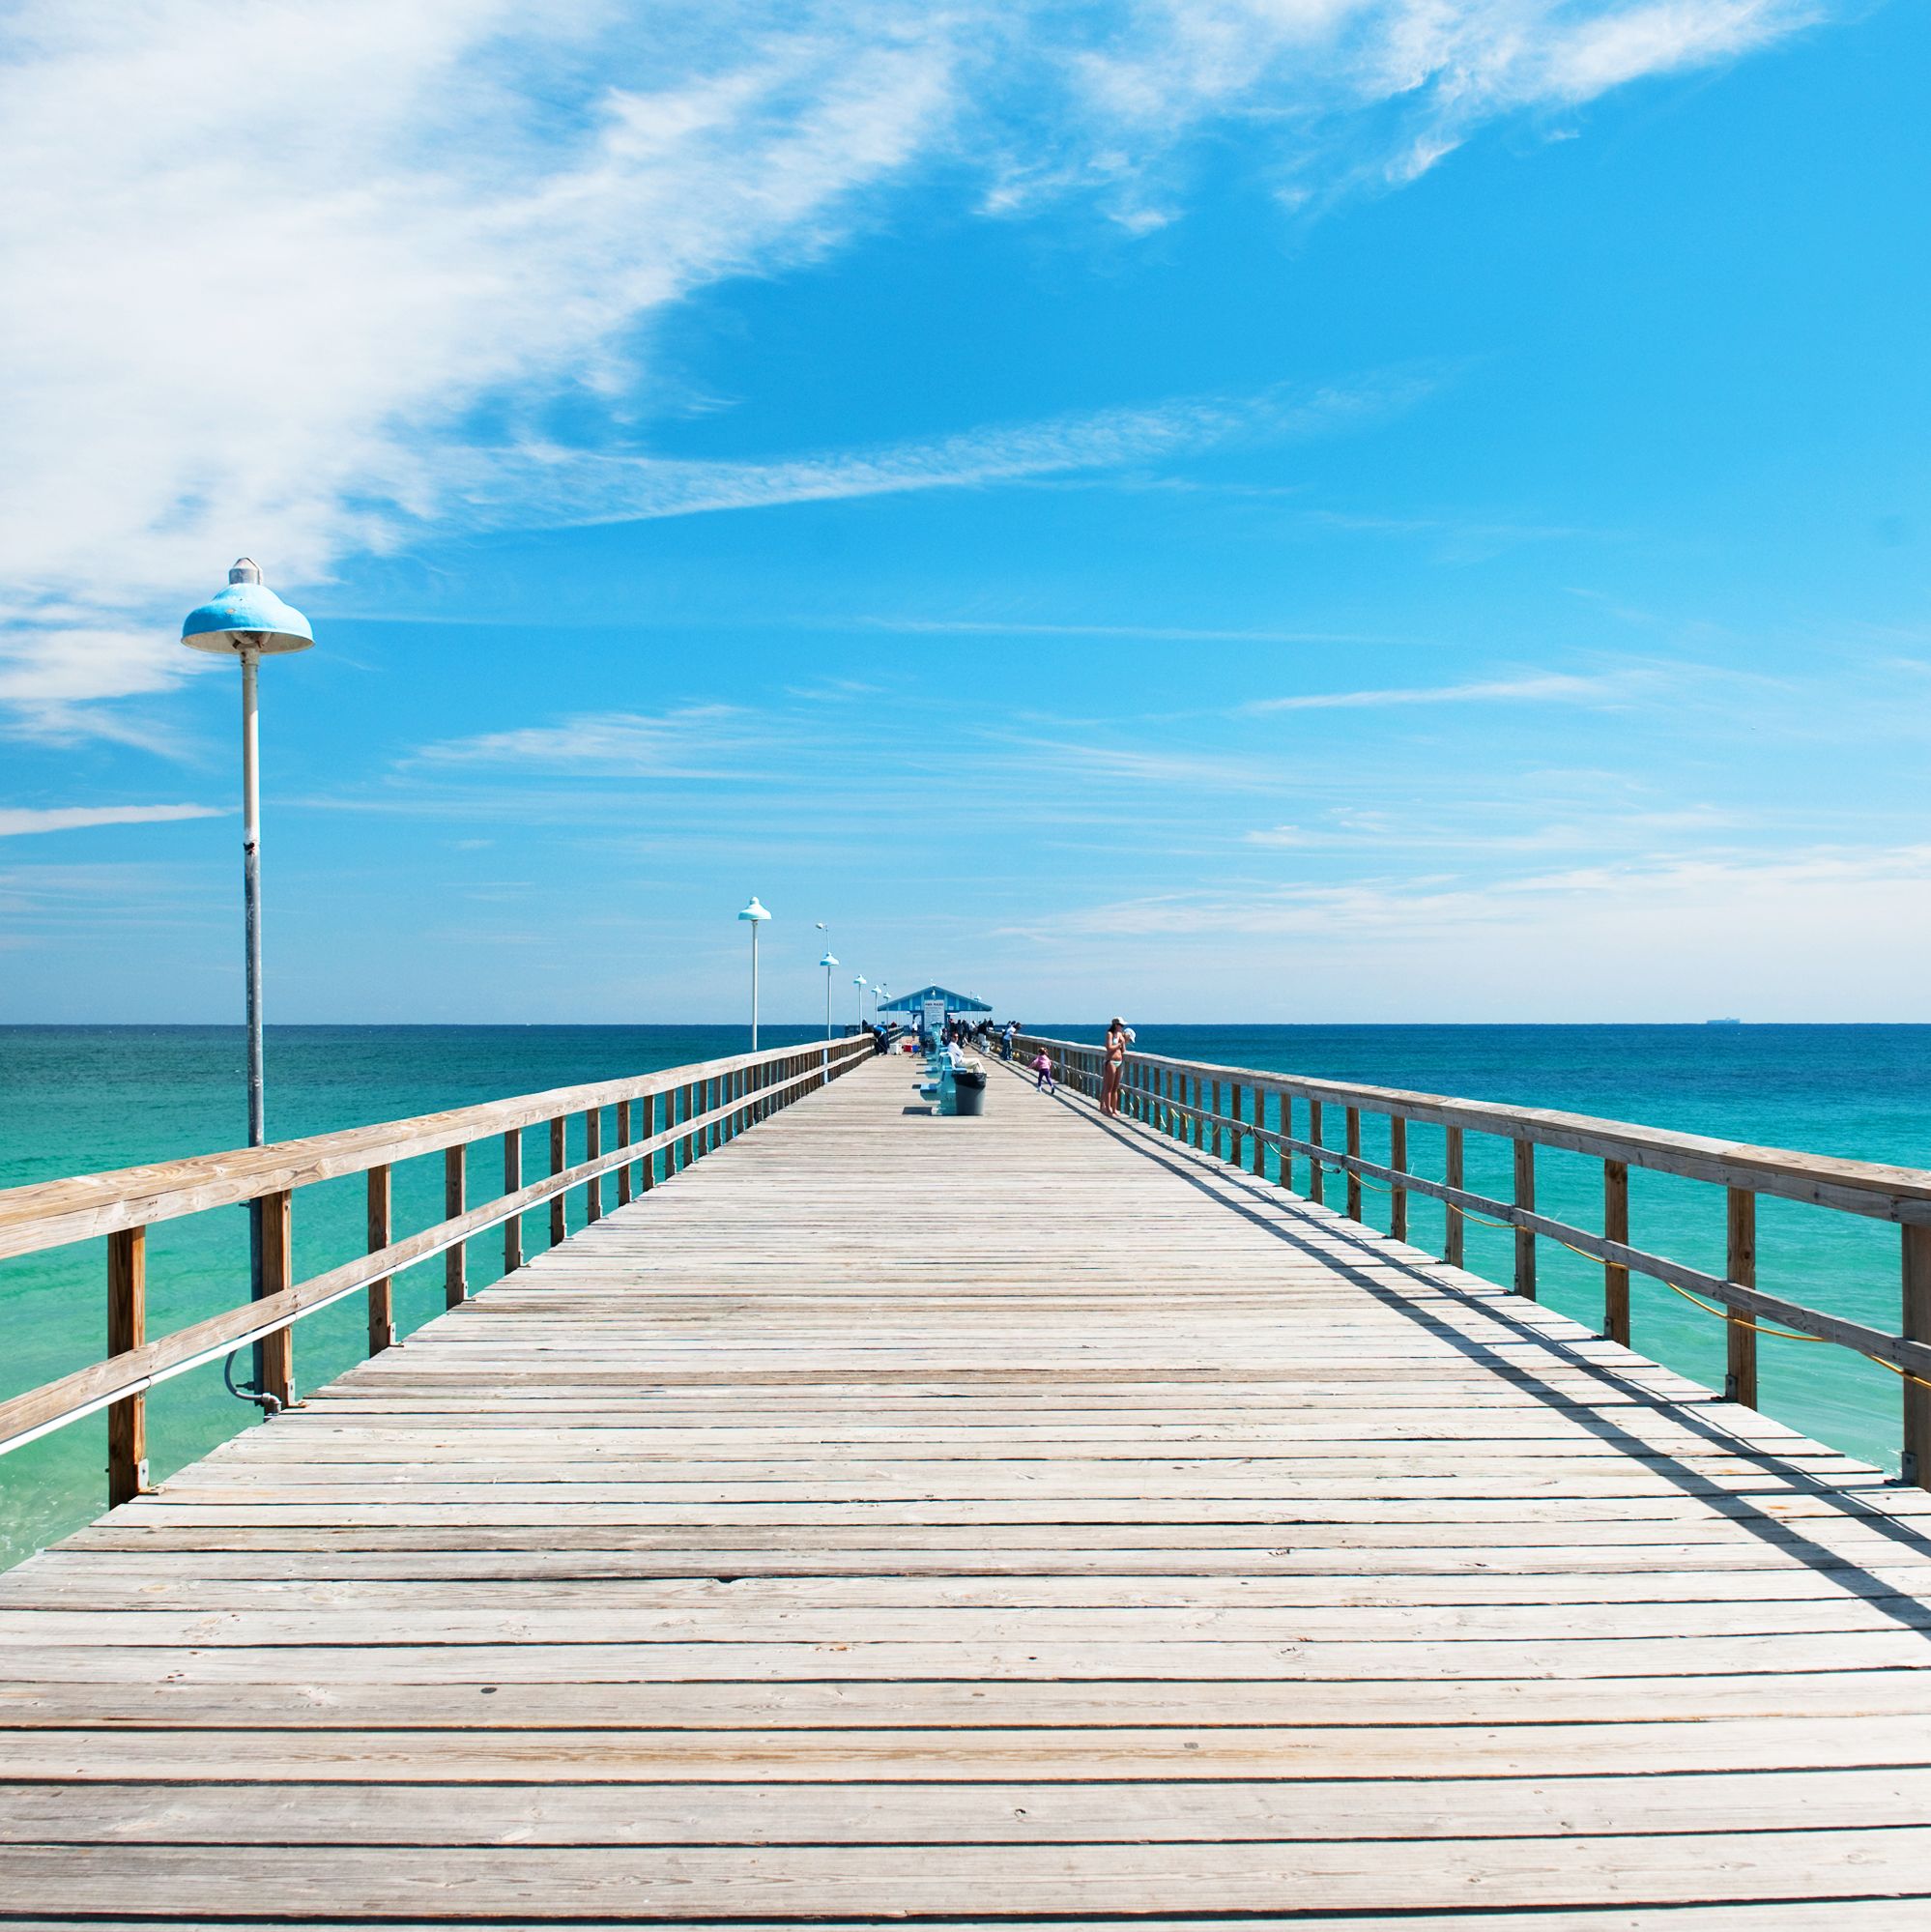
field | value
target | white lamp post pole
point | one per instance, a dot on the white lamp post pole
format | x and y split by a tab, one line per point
251	896
755	915
828	963
247	621
859	1001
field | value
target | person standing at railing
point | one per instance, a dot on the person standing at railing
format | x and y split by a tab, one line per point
1115	1065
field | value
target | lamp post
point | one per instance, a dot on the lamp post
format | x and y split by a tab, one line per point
757	916
860	984
828	963
247	621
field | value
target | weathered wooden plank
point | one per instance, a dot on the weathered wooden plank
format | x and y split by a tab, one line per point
682	1883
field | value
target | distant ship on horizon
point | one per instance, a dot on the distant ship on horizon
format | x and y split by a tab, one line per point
1723	1022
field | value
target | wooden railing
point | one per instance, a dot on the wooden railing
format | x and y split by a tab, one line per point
663	1122
1183	1098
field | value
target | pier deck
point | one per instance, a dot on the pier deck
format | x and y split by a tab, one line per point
1030	1517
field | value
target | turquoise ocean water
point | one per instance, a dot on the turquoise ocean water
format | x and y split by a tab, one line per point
75	1100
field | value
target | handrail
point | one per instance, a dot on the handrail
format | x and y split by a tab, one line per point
1155	1089
51	1214
736	1092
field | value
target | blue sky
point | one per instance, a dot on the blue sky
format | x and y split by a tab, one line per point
1268	510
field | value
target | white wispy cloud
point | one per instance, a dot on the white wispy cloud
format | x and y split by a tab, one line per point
19	820
1171	633
457	212
697	741
539	484
1542	688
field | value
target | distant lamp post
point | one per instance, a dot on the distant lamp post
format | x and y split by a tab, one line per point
249	621
860	983
828	963
757	916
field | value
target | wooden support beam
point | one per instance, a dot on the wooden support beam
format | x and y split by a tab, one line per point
1286	1134
687	1101
1455	1226
1615	1227
1740	1380
558	1137
593	1148
512	1180
648	1133
277	1274
1353	1178
381	1193
1525	1197
1259	1120
1916	1327
455	1259
1397	1158
623	1140
1317	1180
126	1328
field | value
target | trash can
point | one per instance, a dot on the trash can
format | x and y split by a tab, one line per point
968	1089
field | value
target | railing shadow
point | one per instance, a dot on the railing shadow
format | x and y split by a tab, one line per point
1273	1209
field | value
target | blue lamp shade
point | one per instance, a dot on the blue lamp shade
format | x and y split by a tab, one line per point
247	615
754	910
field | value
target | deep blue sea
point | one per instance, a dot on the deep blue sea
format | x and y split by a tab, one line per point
75	1100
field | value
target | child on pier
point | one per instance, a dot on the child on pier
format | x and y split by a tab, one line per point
1043	1066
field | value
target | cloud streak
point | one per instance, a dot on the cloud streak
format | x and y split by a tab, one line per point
20	820
1544	688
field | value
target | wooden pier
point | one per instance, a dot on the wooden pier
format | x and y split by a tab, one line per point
1031	1517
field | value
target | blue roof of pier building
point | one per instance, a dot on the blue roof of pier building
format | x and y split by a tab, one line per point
955	1002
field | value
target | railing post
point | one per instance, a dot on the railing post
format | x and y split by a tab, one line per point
558	1160
647	1132
1916	1327
1455	1222
512	1182
381	1233
1740	1382
1219	1145
1525	1197
689	1091
127	1329
1318	1180
1354	1150
455	1273
277	1274
1234	1151
593	1148
623	1140
1397	1158
1260	1122
1615	1227
1286	1134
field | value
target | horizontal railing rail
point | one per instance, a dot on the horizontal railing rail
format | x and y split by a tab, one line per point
706	1105
1183	1099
